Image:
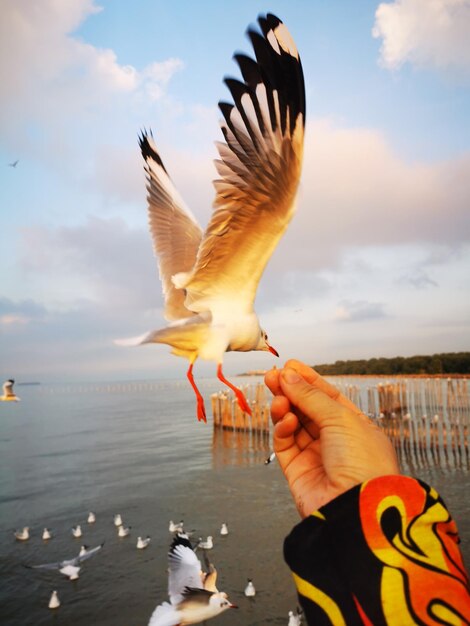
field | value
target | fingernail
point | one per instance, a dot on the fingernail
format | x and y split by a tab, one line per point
290	376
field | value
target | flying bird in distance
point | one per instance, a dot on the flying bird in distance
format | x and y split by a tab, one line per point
210	278
70	567
14	164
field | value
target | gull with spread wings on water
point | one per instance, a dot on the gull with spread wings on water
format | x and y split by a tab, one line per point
210	279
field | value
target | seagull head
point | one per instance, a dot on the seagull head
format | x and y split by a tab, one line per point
220	601
263	343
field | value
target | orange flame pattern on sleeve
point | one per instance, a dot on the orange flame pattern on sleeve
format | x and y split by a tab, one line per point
423	574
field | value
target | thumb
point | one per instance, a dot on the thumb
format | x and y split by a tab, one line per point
311	401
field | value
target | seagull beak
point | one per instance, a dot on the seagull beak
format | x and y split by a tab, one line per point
233	606
271	349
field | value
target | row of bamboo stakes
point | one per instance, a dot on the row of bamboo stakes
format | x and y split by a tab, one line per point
426	419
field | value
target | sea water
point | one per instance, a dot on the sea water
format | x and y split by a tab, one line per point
138	450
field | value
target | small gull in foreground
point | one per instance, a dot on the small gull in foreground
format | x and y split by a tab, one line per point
124	531
69	567
91	518
250	590
77	531
22	535
46	534
54	601
191	601
224	529
118	519
210	279
143	543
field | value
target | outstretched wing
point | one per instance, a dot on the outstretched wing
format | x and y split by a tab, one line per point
88	554
259	166
56	565
184	569
175	233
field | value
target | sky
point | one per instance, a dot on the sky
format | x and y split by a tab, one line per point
376	259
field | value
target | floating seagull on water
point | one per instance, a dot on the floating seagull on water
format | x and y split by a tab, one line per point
22	535
123	531
69	567
295	619
8	393
54	601
91	518
208	544
250	590
46	534
83	550
190	601
77	531
270	458
224	529
117	520
175	528
143	543
210	279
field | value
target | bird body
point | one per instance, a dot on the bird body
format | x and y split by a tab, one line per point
46	534
22	535
295	619
70	567
83	550
224	529
250	590
142	543
77	531
124	531
207	544
176	528
118	519
91	518
191	602
54	601
210	278
8	393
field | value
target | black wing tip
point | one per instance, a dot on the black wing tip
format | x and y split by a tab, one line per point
180	541
148	149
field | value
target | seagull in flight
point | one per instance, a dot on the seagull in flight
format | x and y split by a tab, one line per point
70	567
14	164
210	278
193	595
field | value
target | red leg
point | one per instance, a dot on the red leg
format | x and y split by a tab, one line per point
201	410
242	403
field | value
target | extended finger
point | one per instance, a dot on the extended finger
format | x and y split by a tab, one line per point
284	440
271	379
314	378
280	405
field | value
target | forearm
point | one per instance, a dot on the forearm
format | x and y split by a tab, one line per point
384	553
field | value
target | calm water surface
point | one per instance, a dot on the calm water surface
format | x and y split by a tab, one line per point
138	449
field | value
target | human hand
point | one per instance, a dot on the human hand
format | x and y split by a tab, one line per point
324	444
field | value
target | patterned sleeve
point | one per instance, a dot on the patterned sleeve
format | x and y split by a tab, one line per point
384	553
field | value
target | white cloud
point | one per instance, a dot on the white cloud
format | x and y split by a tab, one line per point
425	33
55	80
357	192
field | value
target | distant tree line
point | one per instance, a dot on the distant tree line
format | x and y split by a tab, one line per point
446	363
